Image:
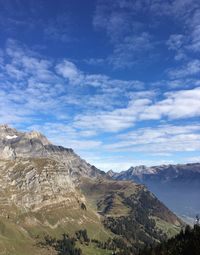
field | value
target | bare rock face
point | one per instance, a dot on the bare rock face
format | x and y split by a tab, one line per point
35	183
18	144
37	135
14	144
5	130
35	173
8	153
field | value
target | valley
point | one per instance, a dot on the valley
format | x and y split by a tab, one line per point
177	186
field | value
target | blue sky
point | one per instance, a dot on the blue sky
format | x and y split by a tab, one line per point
116	80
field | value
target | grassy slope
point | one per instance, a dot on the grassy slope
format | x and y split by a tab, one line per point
107	197
170	230
98	192
20	235
92	250
18	232
15	240
19	229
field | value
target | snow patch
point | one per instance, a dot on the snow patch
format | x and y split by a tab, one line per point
11	137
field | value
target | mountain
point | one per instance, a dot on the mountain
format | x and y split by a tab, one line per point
177	186
48	191
14	144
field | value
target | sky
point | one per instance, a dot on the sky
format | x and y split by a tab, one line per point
116	80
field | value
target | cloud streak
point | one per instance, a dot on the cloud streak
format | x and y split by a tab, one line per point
161	139
181	104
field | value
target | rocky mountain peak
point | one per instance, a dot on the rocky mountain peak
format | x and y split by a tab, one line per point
140	170
30	163
4	127
37	135
16	145
110	173
7	132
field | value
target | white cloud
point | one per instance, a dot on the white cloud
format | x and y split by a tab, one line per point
24	63
179	83
160	139
176	105
175	41
131	50
65	135
114	106
195	159
191	68
189	41
128	34
115	120
68	70
30	82
194	29
34	89
117	163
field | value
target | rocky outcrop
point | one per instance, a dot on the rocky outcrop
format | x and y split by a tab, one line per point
35	173
35	145
37	135
35	183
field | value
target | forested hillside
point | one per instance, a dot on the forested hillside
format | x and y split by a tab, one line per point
185	243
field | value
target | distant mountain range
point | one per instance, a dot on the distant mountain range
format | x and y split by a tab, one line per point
48	190
178	186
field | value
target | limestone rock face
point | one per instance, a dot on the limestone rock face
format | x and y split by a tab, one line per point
37	135
35	173
14	144
35	183
8	153
8	133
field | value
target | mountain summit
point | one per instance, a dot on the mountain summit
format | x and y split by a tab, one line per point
49	190
16	144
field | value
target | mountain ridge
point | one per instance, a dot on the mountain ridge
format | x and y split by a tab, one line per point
48	190
142	169
170	183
